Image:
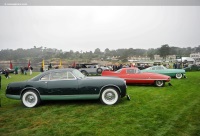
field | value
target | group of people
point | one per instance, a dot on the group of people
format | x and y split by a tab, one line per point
179	65
22	69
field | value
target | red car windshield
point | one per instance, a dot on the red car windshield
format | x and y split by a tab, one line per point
129	71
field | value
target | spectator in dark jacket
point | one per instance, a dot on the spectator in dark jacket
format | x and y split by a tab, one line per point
7	74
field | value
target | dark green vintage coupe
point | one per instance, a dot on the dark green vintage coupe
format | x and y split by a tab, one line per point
67	84
192	67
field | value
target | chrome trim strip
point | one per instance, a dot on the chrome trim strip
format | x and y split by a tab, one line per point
69	97
17	97
109	85
143	79
29	88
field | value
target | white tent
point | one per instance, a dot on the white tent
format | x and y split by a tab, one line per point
186	59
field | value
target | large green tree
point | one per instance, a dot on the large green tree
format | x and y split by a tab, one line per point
164	51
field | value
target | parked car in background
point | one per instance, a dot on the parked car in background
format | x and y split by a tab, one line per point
143	65
10	70
134	75
91	68
2	71
192	67
178	73
67	84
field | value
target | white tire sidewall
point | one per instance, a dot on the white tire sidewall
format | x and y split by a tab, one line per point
28	104
160	85
110	102
179	75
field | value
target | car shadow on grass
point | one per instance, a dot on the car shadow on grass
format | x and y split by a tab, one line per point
69	102
148	85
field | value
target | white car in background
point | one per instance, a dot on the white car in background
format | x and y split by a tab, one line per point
91	68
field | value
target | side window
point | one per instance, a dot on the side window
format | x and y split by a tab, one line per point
45	77
130	71
62	75
70	76
158	68
118	71
56	75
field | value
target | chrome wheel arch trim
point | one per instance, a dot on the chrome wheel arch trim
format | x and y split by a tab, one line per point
29	88
110	85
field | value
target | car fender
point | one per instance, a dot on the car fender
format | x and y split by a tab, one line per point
109	85
29	88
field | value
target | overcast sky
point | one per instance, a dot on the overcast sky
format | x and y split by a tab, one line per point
85	28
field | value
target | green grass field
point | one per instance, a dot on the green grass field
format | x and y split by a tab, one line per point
152	111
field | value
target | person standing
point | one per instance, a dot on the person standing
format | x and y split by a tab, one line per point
16	70
7	74
22	70
25	70
31	70
41	69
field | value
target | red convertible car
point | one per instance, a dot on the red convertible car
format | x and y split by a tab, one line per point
134	76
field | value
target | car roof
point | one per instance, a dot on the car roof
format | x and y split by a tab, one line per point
58	70
130	68
49	71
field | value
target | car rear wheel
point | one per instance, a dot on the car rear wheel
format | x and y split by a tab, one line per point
99	70
159	83
109	96
179	75
30	98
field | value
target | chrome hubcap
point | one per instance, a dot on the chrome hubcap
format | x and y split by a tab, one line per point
159	82
109	96
30	99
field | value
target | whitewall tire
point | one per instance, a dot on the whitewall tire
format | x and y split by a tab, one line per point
109	96
30	99
179	75
159	83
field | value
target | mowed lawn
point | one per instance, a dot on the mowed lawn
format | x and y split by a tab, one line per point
153	111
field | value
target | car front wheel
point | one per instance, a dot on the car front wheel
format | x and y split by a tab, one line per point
30	99
109	96
159	83
179	75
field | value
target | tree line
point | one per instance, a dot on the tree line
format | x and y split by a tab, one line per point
38	53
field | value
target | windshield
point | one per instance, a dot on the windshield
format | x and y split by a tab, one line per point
133	71
163	67
118	71
138	71
78	74
190	65
156	68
